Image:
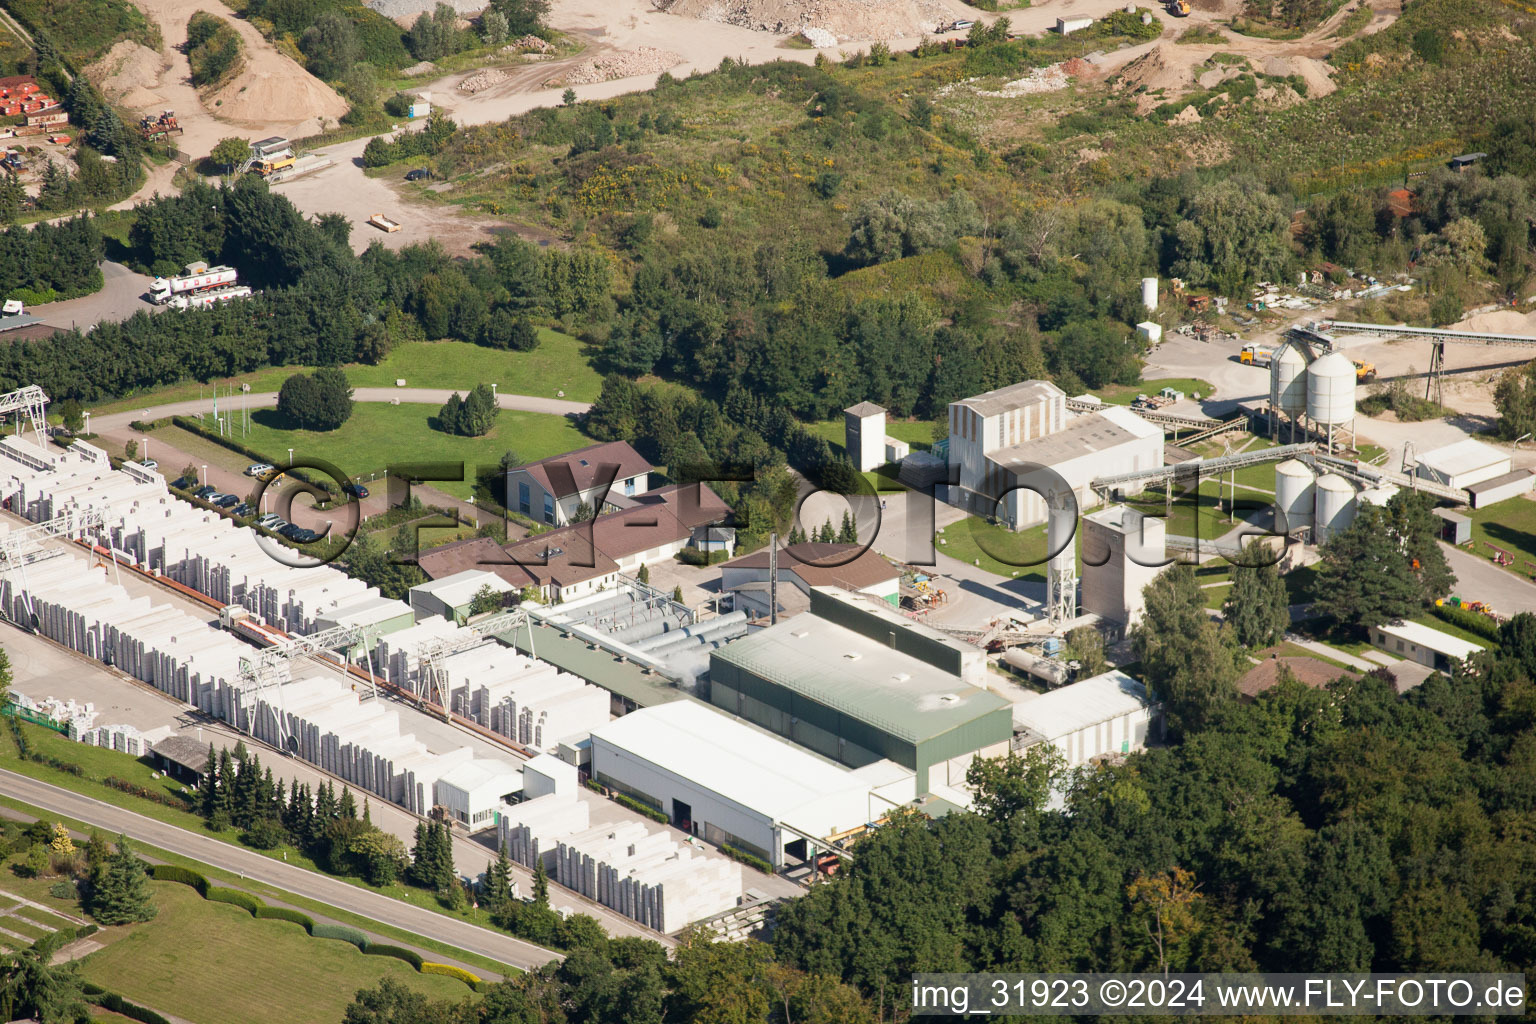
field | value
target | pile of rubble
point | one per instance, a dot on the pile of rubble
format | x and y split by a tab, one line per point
646	60
1051	78
482	80
528	44
425	67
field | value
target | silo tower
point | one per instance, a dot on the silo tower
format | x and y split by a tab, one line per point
1288	387
1331	394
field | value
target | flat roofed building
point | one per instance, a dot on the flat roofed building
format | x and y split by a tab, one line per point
451	596
1502	487
1463	464
730	783
857	682
1107	714
474	791
1416	642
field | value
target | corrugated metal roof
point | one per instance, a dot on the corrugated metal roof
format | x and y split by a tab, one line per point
1082	704
1014	396
1465	456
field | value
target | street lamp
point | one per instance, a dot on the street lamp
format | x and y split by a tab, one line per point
205	476
290	456
146	448
87	423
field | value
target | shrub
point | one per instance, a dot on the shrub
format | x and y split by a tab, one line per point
398	952
213	49
117	1004
265	834
299	918
62	890
172	873
448	970
1473	622
244	900
751	860
641	808
322	930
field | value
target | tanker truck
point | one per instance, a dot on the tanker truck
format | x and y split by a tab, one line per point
200	277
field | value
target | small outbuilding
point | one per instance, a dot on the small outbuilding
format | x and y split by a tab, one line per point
1455	528
451	596
183	758
1107	714
1463	464
1501	488
1416	642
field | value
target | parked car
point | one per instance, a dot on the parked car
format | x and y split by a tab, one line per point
150	464
270	520
225	500
419	174
205	492
242	510
357	491
260	470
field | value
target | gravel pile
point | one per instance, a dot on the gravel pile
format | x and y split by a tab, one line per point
482	80
1046	79
528	44
426	67
646	60
819	37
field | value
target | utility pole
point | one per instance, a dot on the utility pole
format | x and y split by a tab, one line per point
773	579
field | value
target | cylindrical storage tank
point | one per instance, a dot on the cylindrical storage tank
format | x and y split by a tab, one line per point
1149	292
1053	672
1331	389
1378	496
1288	381
1335	506
1295	495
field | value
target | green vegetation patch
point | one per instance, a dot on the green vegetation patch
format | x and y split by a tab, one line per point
208	961
85	29
214	50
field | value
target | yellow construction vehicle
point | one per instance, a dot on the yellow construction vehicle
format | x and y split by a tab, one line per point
1257	355
267	168
1178	8
1364	371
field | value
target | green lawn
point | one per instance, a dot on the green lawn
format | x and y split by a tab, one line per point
1510	525
21	927
379	435
998	549
41	917
558	364
917	433
1216	596
1125	394
214	962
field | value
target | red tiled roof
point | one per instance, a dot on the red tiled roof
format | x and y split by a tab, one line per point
816	564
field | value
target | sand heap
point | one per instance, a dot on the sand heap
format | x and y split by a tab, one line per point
644	60
1154	78
276	93
1500	321
128	75
845	19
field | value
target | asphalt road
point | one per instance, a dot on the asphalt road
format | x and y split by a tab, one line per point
1478	579
309	884
122	295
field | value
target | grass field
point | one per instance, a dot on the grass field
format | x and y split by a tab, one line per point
917	433
1510	525
379	435
558	364
1125	394
213	962
998	549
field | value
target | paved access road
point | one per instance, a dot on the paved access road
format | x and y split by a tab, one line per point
296	880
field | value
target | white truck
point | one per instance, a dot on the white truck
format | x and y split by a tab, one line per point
200	277
206	299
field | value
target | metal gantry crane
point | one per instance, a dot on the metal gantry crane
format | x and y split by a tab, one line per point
432	673
265	673
20	548
32	402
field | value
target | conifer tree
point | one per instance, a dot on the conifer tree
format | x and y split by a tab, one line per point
208	785
347	807
120	891
223	801
540	885
498	881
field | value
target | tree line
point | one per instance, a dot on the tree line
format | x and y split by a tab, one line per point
49	262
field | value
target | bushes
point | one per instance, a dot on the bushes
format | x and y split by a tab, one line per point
1472	622
244	900
642	808
172	873
452	972
213	49
299	918
322	930
146	793
749	859
117	1004
398	952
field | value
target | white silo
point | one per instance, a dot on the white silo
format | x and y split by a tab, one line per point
1295	495
1288	384
1149	292
1378	496
1335	506
1331	392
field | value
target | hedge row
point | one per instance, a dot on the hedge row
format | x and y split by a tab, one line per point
449	970
640	807
195	426
298	917
1473	622
146	793
64	936
321	930
244	900
172	873
749	859
398	952
99	996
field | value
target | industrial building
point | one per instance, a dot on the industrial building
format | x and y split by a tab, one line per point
1422	644
473	792
1502	487
451	596
866	442
1123	551
732	784
1107	714
997	440
552	489
1463	464
857	682
852	567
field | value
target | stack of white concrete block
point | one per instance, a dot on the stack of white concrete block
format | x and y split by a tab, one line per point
526	700
643	874
395	655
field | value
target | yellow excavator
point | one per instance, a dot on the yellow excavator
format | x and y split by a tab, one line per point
1364	371
1178	8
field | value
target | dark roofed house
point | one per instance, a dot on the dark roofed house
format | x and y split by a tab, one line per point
1459	164
551	490
181	757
